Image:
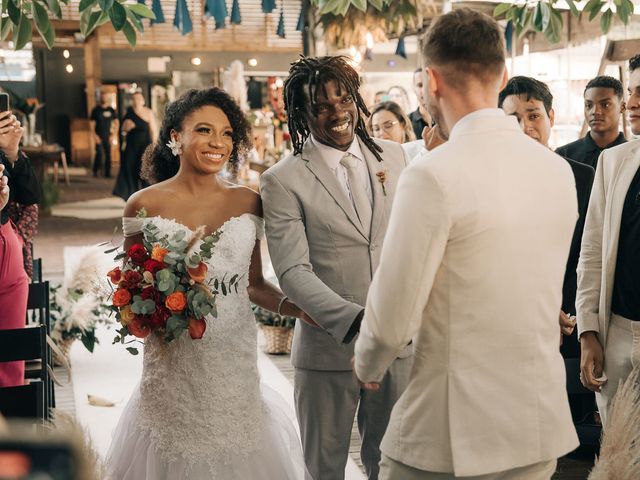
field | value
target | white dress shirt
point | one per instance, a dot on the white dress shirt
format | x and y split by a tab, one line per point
332	156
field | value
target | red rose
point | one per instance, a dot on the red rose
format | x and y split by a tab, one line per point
115	275
132	279
153	266
197	327
150	293
158	319
137	253
138	328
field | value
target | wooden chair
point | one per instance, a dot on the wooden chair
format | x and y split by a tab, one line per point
33	399
38	308
37	271
38	313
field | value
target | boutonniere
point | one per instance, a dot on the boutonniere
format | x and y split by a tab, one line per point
382	178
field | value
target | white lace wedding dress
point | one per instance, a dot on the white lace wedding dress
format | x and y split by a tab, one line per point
200	411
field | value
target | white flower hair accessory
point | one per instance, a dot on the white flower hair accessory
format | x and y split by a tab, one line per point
175	146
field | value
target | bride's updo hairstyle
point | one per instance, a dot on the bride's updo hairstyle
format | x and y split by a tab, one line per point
159	164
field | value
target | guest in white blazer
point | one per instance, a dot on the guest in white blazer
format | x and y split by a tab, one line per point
471	272
608	299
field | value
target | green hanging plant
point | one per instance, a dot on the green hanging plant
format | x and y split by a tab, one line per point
544	16
18	17
347	23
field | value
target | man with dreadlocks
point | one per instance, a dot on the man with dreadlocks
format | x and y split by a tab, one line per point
326	208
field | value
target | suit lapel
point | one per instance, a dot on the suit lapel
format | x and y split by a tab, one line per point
325	176
379	199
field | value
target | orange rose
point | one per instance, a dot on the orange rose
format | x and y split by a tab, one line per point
115	275
126	315
158	253
121	297
137	328
176	302
199	273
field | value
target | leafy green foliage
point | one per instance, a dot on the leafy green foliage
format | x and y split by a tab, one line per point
544	16
272	319
19	18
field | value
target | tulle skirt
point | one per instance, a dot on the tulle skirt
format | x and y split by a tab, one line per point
133	457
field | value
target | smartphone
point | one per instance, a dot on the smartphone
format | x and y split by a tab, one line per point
4	102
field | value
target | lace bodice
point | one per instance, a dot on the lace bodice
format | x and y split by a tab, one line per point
200	399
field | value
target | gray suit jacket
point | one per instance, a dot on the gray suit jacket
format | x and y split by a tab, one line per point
322	256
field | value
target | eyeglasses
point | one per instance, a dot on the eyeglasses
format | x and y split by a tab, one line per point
386	126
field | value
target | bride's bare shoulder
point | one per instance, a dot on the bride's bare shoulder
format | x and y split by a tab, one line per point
246	199
151	199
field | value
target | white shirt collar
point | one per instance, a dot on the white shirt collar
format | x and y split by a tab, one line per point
332	156
470	117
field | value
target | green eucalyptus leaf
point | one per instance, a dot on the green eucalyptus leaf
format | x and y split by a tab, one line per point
501	9
360	5
7	27
546	15
135	20
132	350
14	12
118	16
94	18
605	21
595	9
537	17
54	7
377	4
142	10
573	8
84	4
41	18
24	32
106	5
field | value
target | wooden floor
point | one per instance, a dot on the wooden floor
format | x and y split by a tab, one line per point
568	468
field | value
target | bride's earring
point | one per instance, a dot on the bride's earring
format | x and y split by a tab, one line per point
175	146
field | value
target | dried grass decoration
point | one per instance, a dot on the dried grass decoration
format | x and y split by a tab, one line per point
620	446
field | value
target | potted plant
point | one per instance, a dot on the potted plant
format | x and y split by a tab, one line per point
277	330
76	307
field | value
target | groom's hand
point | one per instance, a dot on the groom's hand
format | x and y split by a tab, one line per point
372	386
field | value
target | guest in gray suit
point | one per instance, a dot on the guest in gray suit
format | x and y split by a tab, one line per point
326	208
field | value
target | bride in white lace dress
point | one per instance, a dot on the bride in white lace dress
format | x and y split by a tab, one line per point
200	411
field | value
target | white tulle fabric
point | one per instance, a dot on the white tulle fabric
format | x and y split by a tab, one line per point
200	411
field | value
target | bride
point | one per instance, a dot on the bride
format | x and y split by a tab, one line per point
200	411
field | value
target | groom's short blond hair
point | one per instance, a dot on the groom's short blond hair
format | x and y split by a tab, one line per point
465	43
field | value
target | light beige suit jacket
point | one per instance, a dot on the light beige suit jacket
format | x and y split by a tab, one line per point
323	257
472	270
599	250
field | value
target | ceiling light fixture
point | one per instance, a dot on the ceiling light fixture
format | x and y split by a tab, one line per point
196	61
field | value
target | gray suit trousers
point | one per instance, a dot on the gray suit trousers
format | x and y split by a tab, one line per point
326	404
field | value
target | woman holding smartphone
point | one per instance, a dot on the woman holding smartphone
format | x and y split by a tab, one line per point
19	184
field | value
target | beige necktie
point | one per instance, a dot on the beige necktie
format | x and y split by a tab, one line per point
358	193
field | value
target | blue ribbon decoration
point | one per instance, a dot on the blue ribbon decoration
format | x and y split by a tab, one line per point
508	36
400	49
156	7
301	18
268	6
280	30
218	10
182	19
236	18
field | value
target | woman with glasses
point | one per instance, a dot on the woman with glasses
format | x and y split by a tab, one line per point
389	122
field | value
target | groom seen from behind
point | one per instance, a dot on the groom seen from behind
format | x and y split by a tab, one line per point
472	271
326	208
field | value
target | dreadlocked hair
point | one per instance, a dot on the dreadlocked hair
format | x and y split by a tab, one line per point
314	73
159	163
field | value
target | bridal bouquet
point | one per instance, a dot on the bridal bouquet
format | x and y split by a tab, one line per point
162	286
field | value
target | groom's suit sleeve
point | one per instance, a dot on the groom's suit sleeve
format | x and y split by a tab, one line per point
289	251
411	256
